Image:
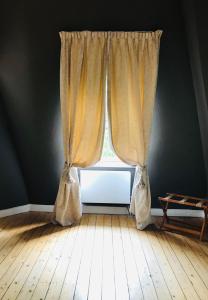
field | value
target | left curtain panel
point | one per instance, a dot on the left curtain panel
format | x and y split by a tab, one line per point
82	92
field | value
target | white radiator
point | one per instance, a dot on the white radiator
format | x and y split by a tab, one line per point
105	186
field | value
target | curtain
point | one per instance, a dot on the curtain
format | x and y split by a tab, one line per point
132	77
82	89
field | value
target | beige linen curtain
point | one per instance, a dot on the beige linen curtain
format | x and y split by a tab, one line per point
132	77
82	88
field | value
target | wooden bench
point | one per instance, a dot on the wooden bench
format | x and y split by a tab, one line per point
184	201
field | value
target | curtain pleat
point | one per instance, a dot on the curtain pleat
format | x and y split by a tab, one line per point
132	72
82	89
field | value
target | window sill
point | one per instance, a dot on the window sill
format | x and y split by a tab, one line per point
112	164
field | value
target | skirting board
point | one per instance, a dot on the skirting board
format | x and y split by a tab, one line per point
14	210
90	209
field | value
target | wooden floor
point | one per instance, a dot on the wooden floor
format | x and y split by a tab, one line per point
104	257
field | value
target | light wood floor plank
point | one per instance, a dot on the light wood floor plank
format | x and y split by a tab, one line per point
121	285
200	265
11	249
55	286
194	278
17	232
178	270
19	259
69	285
18	282
163	263
47	274
204	247
11	234
134	284
33	278
108	282
104	257
95	285
196	247
155	272
82	285
147	284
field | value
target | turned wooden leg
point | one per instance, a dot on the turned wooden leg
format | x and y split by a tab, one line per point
203	225
165	216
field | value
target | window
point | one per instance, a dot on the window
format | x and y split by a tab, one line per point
109	158
110	180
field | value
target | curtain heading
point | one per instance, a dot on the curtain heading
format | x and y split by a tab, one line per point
112	34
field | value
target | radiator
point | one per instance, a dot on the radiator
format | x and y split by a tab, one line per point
105	186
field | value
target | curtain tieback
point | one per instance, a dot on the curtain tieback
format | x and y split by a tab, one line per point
66	175
141	184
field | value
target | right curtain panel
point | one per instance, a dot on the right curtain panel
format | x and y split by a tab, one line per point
132	79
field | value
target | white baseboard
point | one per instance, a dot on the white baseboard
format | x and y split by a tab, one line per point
92	209
40	207
14	210
115	210
25	208
178	212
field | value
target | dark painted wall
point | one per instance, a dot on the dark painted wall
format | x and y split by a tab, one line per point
12	188
195	18
201	10
29	82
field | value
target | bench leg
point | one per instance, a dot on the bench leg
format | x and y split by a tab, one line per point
165	216
203	225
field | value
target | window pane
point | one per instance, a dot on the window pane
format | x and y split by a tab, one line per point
108	153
